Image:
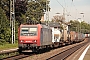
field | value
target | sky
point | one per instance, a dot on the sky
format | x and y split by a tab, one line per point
72	7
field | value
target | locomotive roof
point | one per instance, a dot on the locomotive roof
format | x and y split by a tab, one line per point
43	25
54	24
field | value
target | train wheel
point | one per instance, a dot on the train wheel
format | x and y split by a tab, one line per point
35	50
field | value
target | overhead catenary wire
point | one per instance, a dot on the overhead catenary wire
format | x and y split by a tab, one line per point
72	4
64	8
75	8
61	5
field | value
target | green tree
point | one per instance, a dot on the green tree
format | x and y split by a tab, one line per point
75	26
4	28
20	10
35	10
5	5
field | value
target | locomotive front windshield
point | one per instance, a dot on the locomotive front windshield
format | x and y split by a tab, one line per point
28	31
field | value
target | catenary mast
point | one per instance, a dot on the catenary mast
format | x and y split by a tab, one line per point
12	19
47	12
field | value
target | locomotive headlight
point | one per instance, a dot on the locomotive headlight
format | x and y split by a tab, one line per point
21	40
35	40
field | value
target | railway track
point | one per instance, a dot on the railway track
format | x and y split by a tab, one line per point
60	56
8	53
13	54
18	56
63	55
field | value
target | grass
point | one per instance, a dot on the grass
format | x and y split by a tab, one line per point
8	46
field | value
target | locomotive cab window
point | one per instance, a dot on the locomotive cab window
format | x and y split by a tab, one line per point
24	31
32	31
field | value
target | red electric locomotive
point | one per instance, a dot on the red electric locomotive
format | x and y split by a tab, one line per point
34	37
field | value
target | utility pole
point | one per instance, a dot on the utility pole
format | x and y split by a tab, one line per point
79	28
47	13
82	19
64	26
12	20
